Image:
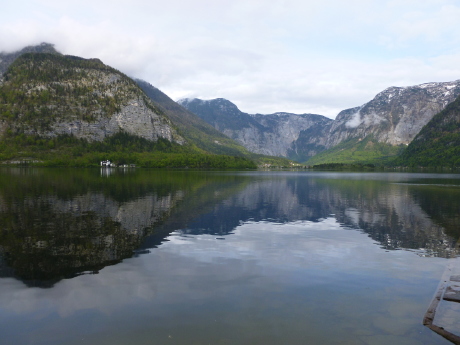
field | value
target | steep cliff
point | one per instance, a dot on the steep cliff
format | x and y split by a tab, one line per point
395	115
438	143
379	130
48	94
279	134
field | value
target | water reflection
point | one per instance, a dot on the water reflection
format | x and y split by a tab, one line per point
59	224
392	214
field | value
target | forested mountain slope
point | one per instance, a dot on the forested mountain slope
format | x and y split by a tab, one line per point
6	59
192	127
438	143
49	94
70	110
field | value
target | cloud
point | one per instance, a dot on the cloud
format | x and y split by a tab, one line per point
295	56
355	120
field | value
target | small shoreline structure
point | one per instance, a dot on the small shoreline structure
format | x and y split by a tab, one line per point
109	164
108	168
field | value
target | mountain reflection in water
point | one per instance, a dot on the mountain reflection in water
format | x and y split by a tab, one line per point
58	223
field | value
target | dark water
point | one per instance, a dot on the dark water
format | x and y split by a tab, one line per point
156	257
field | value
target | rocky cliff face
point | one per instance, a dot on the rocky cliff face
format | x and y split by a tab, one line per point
395	115
438	143
135	117
50	94
275	134
193	128
286	134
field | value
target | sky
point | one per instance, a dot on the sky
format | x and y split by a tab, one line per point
265	56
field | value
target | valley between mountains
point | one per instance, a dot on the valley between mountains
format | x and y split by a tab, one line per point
375	132
65	110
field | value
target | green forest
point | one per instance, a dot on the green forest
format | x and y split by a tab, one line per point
121	148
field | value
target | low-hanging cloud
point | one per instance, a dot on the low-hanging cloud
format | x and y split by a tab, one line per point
355	120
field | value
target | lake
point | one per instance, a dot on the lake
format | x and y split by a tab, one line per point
136	256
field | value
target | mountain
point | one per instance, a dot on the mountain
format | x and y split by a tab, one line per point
375	132
279	134
379	130
395	115
192	127
59	109
6	59
438	143
47	94
296	136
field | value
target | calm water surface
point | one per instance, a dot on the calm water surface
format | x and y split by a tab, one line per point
155	257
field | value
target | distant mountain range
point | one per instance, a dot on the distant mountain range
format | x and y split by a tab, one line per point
279	134
48	99
374	132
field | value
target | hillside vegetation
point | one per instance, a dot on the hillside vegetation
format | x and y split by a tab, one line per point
40	88
6	59
438	143
192	127
66	110
121	148
352	151
69	111
204	136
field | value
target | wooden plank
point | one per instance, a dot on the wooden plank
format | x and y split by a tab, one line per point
452	293
431	312
445	289
446	334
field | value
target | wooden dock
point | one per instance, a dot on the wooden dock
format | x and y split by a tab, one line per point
448	291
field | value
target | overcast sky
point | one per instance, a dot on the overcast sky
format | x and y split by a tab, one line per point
265	56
